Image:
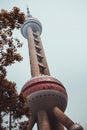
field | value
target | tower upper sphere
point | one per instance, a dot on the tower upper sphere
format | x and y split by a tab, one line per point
32	22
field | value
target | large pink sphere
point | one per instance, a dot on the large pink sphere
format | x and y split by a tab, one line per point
45	92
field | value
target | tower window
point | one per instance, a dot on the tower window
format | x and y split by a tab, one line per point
37	48
36	41
42	67
39	58
41	70
35	34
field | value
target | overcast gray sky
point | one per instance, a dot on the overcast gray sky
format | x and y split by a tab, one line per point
64	38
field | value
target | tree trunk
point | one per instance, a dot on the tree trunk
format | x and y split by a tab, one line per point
10	121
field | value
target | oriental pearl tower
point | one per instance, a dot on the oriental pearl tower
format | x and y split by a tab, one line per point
46	95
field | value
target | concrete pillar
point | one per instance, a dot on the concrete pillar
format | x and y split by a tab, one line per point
65	120
31	123
59	126
32	54
43	122
44	61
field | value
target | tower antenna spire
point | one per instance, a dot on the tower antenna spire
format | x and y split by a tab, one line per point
28	11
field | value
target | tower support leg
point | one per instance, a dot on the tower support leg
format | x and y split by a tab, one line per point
31	123
43	122
65	120
59	126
